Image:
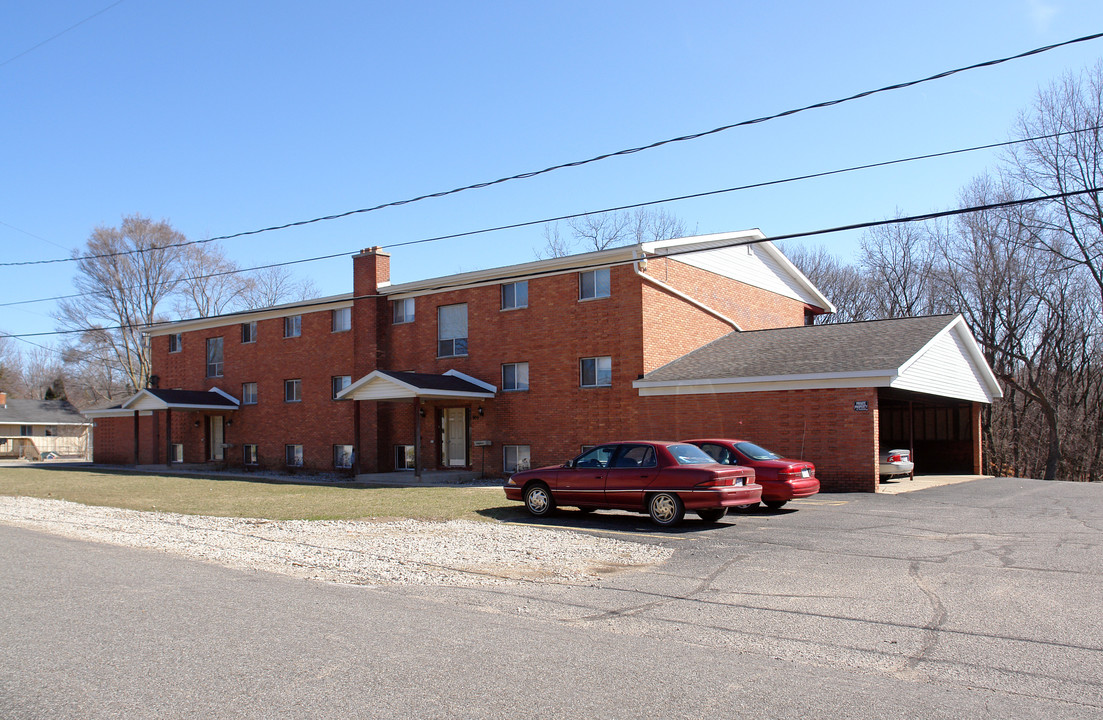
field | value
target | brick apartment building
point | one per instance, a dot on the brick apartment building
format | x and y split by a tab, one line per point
490	370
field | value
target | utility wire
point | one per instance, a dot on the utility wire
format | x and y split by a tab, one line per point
740	243
56	36
578	163
528	223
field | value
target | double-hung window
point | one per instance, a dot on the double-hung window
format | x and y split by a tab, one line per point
340	382
342	456
293	326
515	376
175	343
596	372
250	454
249	332
292	390
342	319
403	311
214	357
293	454
515	295
516	458
452	330
593	284
249	393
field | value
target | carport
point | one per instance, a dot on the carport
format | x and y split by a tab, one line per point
939	431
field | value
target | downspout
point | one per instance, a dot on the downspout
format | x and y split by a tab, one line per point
640	265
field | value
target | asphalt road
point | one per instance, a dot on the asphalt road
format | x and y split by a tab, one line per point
973	600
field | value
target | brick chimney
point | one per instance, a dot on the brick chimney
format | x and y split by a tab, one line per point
370	269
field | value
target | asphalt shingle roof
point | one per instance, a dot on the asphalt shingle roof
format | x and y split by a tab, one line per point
40	412
806	350
428	381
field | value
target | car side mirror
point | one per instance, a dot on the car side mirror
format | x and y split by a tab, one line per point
569	464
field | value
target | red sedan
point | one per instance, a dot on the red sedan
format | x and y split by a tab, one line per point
782	479
662	479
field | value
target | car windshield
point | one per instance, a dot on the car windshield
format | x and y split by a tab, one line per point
689	455
754	452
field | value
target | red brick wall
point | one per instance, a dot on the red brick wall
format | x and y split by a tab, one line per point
820	426
752	308
113	440
317	422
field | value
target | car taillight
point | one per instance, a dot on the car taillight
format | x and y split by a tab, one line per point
895	458
788	475
716	482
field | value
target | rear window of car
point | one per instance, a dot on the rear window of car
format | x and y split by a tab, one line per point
689	455
754	452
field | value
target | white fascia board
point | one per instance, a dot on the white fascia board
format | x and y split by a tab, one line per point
269	313
474	381
225	394
512	273
40	422
957	324
819	381
800	277
115	412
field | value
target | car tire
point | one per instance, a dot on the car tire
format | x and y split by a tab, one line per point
539	500
775	504
747	508
666	509
712	514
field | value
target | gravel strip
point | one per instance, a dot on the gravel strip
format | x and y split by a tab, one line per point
456	553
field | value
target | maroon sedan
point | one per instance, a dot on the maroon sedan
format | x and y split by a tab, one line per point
782	479
662	479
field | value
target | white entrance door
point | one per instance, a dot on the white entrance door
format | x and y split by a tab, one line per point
455	437
216	437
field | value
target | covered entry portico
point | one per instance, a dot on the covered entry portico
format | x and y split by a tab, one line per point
449	396
215	406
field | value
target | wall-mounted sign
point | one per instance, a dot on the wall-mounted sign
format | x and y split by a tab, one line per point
482	443
861	405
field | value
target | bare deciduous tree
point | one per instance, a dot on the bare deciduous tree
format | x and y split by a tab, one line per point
600	231
844	285
1071	109
897	260
276	285
125	276
210	284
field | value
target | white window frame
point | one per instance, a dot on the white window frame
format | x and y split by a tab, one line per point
590	284
177	453
297	395
409	461
176	342
248	332
295	460
249	454
293	326
455	345
510	295
345	381
403	311
519	369
341	320
343	454
246	398
598	362
517	463
215	367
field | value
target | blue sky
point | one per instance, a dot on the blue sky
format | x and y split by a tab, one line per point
223	117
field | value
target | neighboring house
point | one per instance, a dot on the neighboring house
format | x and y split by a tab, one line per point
34	428
524	365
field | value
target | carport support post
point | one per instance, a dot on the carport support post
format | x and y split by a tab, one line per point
137	432
417	439
356	454
168	437
911	437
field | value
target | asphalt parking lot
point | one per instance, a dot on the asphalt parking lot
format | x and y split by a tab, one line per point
972	600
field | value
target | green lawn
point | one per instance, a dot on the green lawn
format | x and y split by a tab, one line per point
209	495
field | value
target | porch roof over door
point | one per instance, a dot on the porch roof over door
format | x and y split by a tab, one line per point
393	385
158	399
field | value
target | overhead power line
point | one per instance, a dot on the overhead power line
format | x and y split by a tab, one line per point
578	163
739	243
647	203
57	35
